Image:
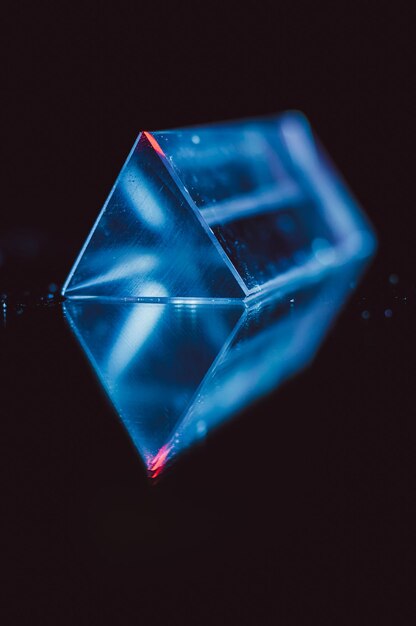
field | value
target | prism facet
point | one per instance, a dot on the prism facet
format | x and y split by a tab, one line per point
225	212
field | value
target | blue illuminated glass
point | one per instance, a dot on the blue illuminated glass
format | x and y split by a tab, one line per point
226	211
212	273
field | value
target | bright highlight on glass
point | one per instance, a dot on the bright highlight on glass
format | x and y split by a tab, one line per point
213	270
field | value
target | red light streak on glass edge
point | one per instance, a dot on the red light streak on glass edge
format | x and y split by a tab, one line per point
153	143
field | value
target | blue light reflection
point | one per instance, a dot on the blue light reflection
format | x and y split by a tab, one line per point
175	371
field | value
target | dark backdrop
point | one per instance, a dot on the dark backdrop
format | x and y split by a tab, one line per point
295	512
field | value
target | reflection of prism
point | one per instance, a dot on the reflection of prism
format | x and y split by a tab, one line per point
175	371
213	270
224	212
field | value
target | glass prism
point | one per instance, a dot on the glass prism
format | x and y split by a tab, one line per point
224	212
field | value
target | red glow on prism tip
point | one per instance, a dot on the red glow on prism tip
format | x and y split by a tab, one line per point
154	145
158	462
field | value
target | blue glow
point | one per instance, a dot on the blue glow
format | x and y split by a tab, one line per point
223	211
174	372
212	273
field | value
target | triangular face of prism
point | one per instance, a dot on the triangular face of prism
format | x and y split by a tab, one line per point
150	243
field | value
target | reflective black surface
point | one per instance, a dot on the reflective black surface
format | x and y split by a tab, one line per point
175	372
293	514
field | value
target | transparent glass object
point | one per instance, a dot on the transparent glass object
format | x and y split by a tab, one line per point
227	212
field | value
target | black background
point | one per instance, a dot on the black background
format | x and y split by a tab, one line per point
295	512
